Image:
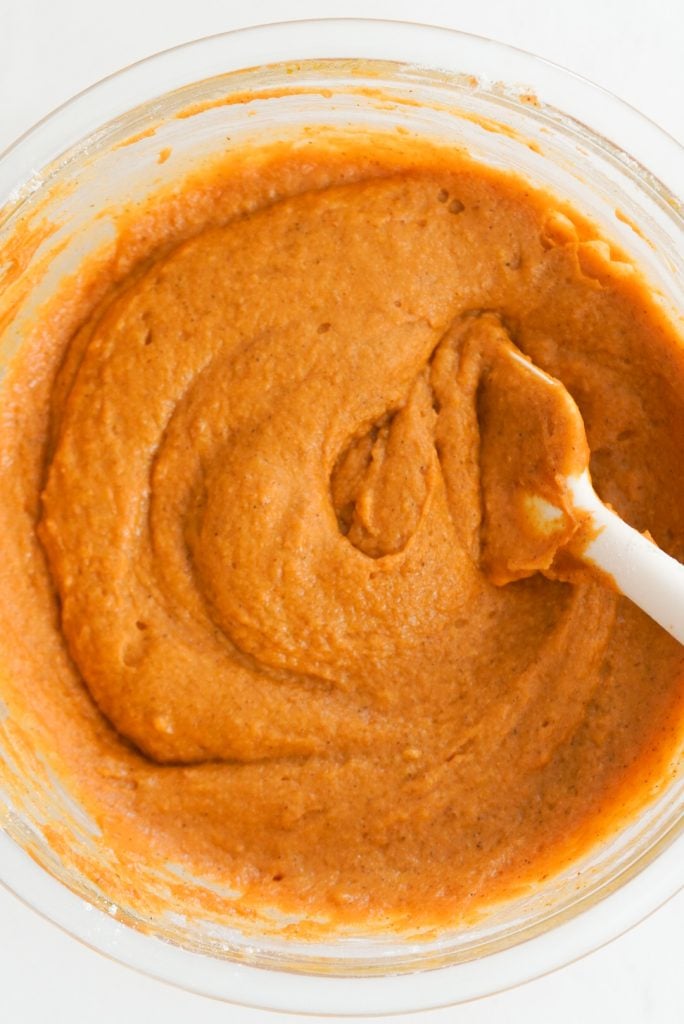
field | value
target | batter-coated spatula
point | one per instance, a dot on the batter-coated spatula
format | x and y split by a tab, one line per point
541	512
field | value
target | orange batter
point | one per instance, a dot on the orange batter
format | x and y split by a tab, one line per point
247	496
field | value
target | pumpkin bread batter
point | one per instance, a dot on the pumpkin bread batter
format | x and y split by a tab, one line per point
249	487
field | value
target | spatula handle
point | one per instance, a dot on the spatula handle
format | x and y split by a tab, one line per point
642	572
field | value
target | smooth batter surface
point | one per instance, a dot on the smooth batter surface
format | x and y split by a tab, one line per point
249	484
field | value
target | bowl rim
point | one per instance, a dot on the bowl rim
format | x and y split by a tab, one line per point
660	873
260	988
612	117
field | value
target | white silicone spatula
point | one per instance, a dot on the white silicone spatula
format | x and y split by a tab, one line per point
542	483
651	579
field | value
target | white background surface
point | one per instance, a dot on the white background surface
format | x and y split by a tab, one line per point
50	49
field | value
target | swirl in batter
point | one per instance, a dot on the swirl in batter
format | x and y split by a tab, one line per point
263	521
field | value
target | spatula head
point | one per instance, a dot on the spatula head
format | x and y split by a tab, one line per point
532	439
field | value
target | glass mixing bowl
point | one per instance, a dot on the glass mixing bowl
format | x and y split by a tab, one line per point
509	109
